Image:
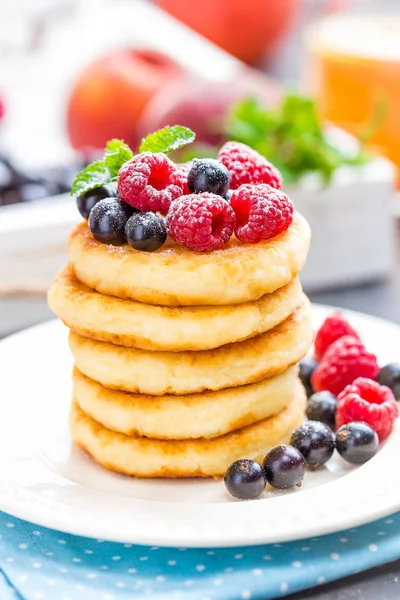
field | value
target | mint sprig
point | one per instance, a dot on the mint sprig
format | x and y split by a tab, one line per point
167	139
117	153
94	175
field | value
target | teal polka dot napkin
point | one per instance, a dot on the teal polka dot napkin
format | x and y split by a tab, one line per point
41	564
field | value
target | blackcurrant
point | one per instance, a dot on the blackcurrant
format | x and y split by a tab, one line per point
245	479
316	442
356	442
208	175
107	221
307	368
87	201
390	375
146	231
322	407
284	467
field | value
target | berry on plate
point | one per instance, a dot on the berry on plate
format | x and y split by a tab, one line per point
344	361
87	201
245	165
322	406
208	175
146	231
245	479
367	401
390	375
315	441
284	467
150	181
201	222
334	327
307	368
107	221
262	212
356	442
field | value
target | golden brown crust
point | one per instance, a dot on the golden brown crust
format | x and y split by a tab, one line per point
205	415
149	327
174	276
143	457
159	373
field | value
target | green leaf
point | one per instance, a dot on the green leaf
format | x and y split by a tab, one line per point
290	135
94	175
117	153
167	139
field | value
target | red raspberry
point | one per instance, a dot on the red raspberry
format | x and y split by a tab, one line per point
261	212
344	361
245	165
201	221
184	169
333	328
150	182
366	400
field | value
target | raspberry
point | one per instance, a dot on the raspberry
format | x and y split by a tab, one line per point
366	400
344	361
245	165
150	182
333	328
261	212
201	221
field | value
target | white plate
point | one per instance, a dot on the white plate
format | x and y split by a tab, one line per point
46	480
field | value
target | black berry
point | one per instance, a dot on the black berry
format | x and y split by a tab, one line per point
208	175
107	221
356	442
228	195
284	467
316	442
87	201
146	231
245	479
307	368
322	407
390	375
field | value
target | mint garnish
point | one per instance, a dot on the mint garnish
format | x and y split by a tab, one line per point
94	175
117	153
167	139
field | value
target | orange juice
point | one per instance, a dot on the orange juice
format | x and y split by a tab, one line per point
353	69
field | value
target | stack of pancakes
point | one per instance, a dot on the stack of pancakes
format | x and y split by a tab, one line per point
184	361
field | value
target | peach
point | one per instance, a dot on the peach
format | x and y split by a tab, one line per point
111	93
247	29
203	105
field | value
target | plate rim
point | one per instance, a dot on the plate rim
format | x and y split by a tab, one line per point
12	503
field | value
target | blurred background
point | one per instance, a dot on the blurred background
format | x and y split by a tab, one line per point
312	84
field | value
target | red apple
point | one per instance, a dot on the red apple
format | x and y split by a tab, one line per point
245	28
111	93
203	106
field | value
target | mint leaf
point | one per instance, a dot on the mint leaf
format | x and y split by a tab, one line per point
117	153
167	139
91	177
290	135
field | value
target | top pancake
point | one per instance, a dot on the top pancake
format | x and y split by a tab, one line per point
175	276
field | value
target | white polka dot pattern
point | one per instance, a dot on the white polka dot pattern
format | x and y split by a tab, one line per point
44	565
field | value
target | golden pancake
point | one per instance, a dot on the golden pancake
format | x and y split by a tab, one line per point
205	415
131	323
158	373
144	457
174	276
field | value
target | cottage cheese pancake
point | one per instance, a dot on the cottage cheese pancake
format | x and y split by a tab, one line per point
174	276
144	457
206	415
158	373
132	323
